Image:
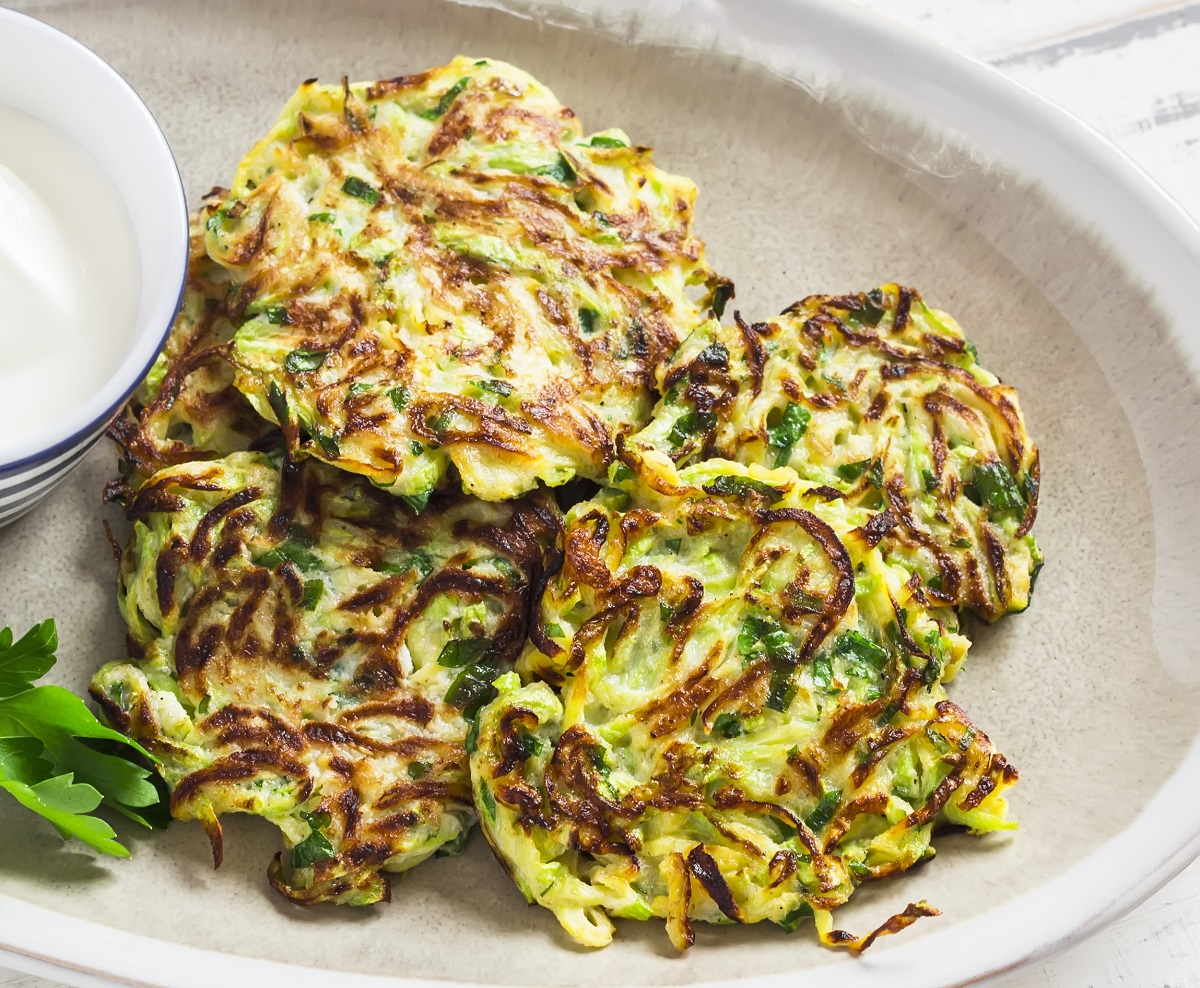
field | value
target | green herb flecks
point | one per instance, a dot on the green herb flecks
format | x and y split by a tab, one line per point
301	361
714	355
328	443
863	658
418	502
721	296
787	432
314	590
791	922
315	847
850	472
561	171
782	688
501	388
293	549
356	187
278	402
825	810
417	559
691	424
459	652
528	744
728	485
805	601
472	687
764	637
488	802
399	396
447	100
822	672
997	487
727	725
870	311
471	743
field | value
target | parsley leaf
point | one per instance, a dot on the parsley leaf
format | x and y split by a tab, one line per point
47	765
66	804
28	660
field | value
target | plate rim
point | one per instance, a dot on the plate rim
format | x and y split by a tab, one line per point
1039	140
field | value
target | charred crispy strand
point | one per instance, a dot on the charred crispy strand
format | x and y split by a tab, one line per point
187	407
442	271
875	399
763	731
901	921
311	653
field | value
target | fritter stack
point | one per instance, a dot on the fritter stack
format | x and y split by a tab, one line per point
713	691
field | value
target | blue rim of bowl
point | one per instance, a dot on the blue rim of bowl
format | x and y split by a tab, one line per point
101	422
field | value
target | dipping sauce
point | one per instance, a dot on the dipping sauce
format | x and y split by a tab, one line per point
69	282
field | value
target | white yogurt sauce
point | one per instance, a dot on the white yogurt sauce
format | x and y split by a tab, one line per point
69	281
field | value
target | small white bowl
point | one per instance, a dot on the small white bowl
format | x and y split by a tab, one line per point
58	81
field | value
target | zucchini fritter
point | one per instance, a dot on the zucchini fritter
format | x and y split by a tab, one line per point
187	407
310	653
750	718
878	399
442	270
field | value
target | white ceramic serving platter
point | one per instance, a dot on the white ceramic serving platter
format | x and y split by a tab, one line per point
833	151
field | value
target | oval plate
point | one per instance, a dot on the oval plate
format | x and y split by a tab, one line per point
834	151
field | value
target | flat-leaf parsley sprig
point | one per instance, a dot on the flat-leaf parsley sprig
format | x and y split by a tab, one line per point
46	762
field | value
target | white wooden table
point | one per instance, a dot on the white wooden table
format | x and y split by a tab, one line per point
1131	68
